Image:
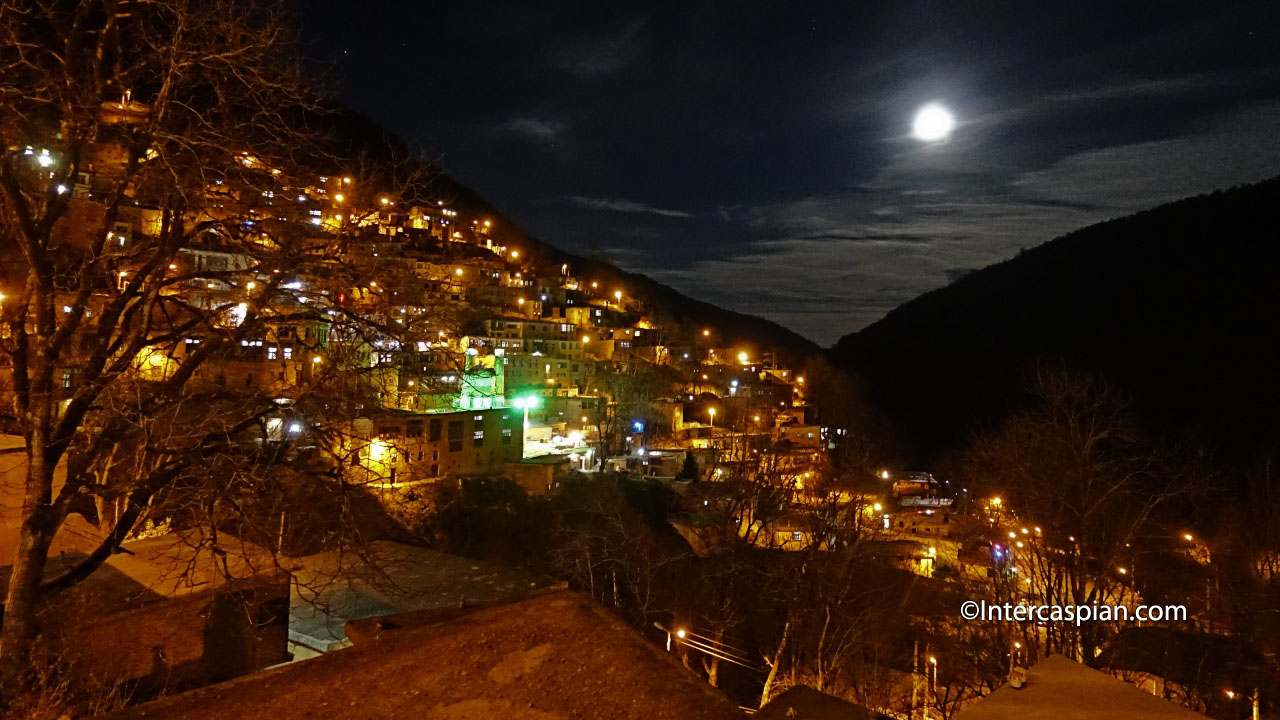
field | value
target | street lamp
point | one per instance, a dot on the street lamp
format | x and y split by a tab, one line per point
933	665
526	403
1231	695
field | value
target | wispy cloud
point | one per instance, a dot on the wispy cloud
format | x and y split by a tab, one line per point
604	56
836	263
626	206
535	128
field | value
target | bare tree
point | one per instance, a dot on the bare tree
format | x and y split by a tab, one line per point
612	550
156	173
1080	486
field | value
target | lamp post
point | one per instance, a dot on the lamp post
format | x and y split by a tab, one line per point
933	665
1253	697
526	403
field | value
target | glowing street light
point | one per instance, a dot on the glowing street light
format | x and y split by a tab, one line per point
526	403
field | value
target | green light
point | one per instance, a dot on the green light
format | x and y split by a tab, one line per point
528	402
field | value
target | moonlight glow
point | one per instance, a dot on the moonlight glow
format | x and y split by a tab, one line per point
933	122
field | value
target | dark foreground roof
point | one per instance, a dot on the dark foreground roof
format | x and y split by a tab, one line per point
1061	689
556	655
805	703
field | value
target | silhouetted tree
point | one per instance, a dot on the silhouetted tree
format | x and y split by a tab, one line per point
1076	468
689	469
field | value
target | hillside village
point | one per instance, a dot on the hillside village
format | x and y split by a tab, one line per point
329	325
288	431
472	359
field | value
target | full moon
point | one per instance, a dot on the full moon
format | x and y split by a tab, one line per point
932	123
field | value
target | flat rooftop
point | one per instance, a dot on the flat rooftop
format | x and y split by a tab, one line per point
553	656
1058	688
390	578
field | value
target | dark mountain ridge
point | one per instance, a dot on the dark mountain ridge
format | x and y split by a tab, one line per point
1178	306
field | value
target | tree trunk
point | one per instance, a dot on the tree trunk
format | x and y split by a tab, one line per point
712	667
773	666
38	527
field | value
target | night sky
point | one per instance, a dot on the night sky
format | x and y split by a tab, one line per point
759	154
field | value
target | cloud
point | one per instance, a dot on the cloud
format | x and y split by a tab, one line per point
838	262
534	128
626	206
605	56
1239	147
